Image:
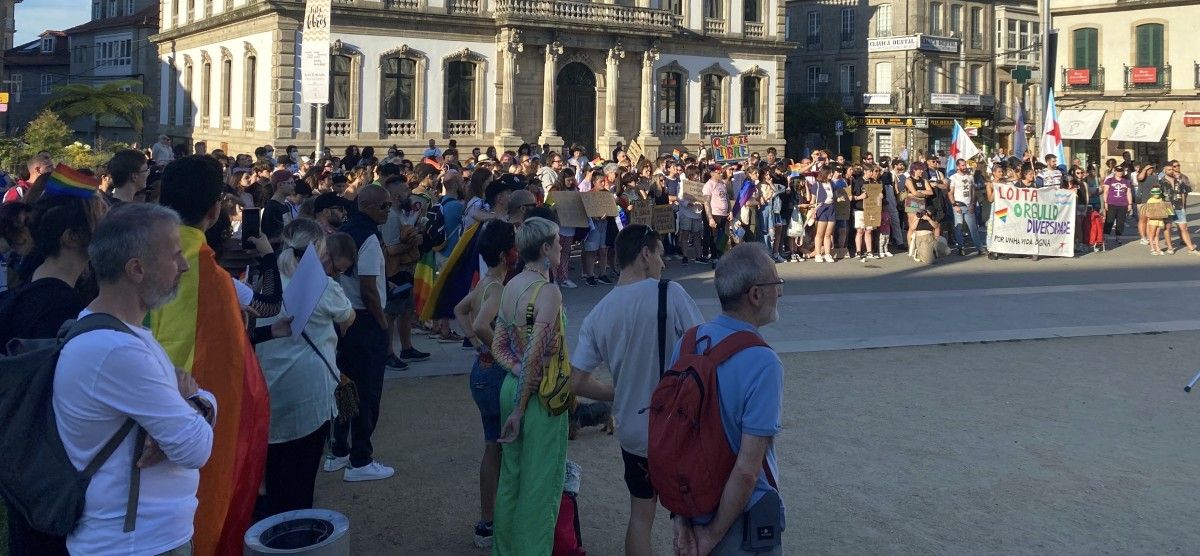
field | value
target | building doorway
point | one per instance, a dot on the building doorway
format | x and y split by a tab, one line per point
575	106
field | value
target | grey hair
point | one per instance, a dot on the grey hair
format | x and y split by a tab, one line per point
127	232
297	236
532	235
738	270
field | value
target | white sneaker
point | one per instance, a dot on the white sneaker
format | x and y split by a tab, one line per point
333	463
568	284
887	253
373	471
1144	241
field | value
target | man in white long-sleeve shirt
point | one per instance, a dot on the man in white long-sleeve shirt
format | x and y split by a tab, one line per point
105	377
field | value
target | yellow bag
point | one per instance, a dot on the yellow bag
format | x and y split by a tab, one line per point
554	389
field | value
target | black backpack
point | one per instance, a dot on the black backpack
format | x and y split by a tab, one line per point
434	233
37	477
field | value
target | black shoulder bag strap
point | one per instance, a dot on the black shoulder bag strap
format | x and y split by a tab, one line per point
662	326
102	321
336	378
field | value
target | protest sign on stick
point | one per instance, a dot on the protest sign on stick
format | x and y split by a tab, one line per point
691	190
873	206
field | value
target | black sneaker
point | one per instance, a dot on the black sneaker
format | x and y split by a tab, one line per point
467	344
411	354
590	281
604	280
394	362
684	262
702	260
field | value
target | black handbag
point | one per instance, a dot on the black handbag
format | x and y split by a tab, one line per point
346	393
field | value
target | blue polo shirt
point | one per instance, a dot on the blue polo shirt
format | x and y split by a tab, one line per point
751	389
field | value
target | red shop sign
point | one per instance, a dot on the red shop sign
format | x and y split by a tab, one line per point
1147	75
1191	119
1079	77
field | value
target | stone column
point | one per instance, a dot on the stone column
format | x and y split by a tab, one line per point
608	141
510	46
646	137
549	73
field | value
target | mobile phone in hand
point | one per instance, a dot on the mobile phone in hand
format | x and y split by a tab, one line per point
251	226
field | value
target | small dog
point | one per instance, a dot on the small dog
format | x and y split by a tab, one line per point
590	415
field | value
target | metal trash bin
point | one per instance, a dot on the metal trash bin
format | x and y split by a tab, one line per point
309	532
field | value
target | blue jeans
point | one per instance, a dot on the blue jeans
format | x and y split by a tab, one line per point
766	226
967	215
485	390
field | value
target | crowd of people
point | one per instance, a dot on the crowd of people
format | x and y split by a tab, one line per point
193	253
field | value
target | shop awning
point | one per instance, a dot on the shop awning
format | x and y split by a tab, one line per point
1146	126
1080	124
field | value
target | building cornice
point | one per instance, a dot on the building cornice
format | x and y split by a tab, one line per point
1107	6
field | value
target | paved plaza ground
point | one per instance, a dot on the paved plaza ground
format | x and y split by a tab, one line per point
1003	407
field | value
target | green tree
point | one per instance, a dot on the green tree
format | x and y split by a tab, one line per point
47	132
804	117
111	99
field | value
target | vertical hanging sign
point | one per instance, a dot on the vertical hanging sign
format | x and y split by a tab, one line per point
314	57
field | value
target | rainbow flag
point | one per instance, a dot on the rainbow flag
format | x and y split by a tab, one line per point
423	278
68	181
598	161
202	331
794	170
457	277
1002	214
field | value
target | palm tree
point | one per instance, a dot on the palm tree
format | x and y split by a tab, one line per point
115	98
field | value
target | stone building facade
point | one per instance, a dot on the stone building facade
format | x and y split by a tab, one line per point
1129	79
1018	46
904	69
34	69
483	72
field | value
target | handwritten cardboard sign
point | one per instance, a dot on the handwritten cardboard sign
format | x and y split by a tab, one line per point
873	206
599	204
570	209
642	212
691	190
664	219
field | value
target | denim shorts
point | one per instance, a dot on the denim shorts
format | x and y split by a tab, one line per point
826	213
485	389
1181	217
596	236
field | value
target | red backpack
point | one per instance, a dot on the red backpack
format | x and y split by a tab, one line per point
689	456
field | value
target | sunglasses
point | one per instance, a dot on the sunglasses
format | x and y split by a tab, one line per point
778	282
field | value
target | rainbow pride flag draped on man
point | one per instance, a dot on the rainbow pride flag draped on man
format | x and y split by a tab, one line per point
455	280
202	331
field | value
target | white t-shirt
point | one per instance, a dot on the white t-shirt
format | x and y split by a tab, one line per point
622	331
103	378
370	263
300	384
962	185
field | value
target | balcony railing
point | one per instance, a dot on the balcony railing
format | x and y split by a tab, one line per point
849	101
399	4
708	130
847	40
1083	79
462	128
666	129
713	26
400	128
248	123
584	13
976	40
755	29
462	6
754	129
813	41
338	128
1148	78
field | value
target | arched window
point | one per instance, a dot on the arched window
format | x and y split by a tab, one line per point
460	90
670	97
751	100
251	88
710	99
339	88
712	9
399	88
226	87
1149	45
752	10
206	90
188	108
1085	42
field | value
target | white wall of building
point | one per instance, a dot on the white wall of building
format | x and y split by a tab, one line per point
733	100
437	50
263	47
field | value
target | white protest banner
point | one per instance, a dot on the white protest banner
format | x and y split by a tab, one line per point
314	54
305	289
1028	221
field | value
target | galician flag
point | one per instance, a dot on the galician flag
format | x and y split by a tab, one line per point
960	147
1051	133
